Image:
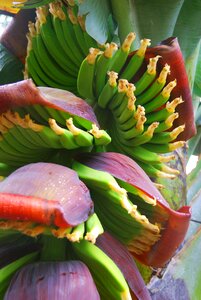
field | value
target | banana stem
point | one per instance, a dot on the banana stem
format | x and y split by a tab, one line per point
53	249
127	24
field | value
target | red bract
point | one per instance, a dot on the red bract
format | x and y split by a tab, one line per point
173	224
45	193
53	281
24	93
123	259
171	54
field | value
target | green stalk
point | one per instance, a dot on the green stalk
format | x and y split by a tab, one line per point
125	15
54	249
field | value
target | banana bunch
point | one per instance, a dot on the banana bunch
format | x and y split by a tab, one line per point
130	207
112	202
57	44
140	115
39	132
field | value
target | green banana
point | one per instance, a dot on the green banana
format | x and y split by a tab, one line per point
158	170
135	231
103	66
77	233
155	88
127	136
164	113
34	68
102	267
49	37
72	43
109	90
133	190
117	112
16	131
47	63
66	137
78	32
121	54
167	124
145	137
140	153
81	137
136	61
166	137
31	72
90	42
49	138
58	16
118	98
148	77
161	99
85	80
130	109
164	148
101	137
139	115
93	228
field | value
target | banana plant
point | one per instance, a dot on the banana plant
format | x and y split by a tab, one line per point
136	100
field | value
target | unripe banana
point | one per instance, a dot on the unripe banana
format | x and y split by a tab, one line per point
161	99
166	137
155	88
164	148
109	90
164	113
148	77
118	98
85	80
102	267
94	228
103	66
136	61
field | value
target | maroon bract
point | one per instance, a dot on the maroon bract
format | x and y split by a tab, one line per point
123	259
47	194
53	280
24	93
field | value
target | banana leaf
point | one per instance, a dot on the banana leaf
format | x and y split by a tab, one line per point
8	63
181	279
193	182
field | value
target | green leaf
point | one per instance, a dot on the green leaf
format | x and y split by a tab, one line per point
98	18
196	215
193	182
188	26
10	67
195	144
182	277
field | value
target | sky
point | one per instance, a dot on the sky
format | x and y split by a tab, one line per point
3	22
